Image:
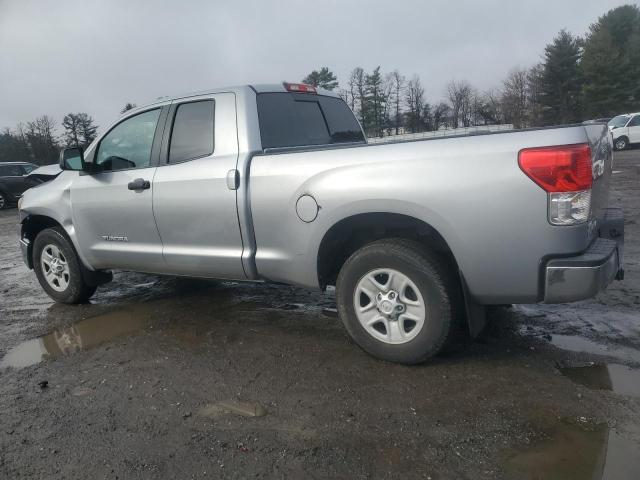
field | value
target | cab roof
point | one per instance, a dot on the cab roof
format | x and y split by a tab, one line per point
257	88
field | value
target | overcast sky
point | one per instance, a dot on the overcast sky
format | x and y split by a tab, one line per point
94	56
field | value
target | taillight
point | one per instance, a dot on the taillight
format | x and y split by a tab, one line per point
558	169
300	87
565	173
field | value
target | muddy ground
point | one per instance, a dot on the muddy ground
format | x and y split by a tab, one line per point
170	378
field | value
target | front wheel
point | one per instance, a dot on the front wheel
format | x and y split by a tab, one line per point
4	201
58	268
620	143
397	300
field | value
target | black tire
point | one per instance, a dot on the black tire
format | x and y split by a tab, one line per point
77	290
621	143
4	201
434	277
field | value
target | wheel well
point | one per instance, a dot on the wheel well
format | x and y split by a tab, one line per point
34	224
352	233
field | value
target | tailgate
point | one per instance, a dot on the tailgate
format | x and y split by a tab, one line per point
602	158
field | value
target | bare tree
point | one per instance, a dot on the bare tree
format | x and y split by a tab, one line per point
344	94
514	97
397	84
414	98
439	115
353	89
493	107
534	93
42	141
388	106
460	98
358	88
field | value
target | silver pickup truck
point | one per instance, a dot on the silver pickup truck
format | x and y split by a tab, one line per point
277	183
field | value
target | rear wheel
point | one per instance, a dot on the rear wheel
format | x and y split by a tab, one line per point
4	201
58	268
621	143
397	300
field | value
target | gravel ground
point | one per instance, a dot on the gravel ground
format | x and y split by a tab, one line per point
168	378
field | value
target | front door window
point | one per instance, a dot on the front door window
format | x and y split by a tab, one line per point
128	145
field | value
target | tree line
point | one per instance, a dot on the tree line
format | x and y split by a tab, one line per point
578	78
37	141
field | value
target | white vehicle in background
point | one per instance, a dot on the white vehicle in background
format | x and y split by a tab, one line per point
625	130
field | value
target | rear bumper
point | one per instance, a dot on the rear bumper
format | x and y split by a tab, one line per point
576	278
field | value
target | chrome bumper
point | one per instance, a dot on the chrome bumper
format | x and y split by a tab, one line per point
583	276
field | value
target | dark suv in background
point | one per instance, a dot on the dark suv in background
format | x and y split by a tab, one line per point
14	181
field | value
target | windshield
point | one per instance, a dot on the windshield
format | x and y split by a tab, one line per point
619	121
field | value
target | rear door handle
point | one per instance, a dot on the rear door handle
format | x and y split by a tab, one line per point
139	184
233	179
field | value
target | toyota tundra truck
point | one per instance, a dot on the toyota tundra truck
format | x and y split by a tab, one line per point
277	183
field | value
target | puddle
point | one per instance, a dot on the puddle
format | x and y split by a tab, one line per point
187	314
617	378
576	452
575	343
80	336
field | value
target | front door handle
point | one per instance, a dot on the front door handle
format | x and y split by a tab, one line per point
139	184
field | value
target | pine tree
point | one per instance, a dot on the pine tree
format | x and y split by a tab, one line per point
87	129
128	106
611	63
79	129
561	80
72	134
324	78
375	100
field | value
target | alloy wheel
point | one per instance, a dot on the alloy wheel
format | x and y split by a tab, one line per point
389	306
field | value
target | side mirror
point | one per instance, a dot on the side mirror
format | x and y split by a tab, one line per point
72	159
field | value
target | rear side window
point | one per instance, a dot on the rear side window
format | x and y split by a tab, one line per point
193	129
635	121
11	171
293	120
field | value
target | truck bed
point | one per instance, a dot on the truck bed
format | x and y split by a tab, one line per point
469	188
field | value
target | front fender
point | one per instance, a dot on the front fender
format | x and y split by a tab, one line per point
52	200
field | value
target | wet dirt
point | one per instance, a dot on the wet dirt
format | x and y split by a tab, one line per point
617	378
129	374
571	450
